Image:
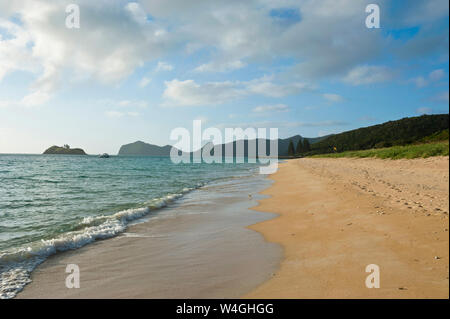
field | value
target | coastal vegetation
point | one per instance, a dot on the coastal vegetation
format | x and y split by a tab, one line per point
407	131
435	144
291	151
397	152
303	146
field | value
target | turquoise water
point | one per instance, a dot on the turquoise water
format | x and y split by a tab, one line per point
52	203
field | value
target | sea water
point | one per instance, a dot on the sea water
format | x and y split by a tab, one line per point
53	203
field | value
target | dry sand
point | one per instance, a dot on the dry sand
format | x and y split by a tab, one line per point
339	215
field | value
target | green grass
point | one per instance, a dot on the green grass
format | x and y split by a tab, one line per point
397	152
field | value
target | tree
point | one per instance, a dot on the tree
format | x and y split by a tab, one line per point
306	146
66	146
300	148
291	150
392	133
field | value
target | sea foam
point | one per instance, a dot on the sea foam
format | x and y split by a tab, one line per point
16	265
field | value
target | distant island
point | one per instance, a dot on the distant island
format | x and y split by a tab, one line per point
144	149
64	150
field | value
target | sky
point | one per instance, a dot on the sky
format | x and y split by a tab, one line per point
137	70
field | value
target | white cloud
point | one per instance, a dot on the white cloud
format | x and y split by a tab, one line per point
283	124
101	49
163	66
441	97
219	66
267	109
7	103
137	12
132	103
324	36
38	97
367	74
332	98
114	114
327	40
191	93
144	82
265	86
434	76
423	11
13	53
33	99
117	114
204	119
420	81
129	104
276	90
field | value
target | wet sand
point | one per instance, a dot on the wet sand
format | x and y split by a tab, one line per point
339	215
198	248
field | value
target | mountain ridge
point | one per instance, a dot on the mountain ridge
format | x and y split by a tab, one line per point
140	148
397	132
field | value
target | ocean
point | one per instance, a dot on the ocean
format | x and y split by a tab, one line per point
54	203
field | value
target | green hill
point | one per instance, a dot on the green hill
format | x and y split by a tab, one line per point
144	149
393	133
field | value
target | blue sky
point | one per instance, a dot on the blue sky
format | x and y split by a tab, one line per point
137	70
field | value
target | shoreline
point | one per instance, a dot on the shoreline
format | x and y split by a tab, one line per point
319	223
199	247
336	216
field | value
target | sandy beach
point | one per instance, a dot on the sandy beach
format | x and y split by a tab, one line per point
333	218
336	216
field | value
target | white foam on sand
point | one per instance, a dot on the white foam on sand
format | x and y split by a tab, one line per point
16	265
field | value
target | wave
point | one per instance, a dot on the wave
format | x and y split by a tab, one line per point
16	265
